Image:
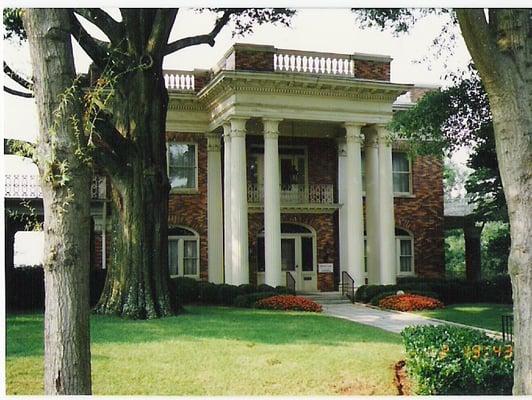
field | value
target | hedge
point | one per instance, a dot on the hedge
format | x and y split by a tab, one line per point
448	360
449	291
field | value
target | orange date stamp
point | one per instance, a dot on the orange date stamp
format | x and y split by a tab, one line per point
477	351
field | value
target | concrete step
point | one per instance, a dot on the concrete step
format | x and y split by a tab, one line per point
325	298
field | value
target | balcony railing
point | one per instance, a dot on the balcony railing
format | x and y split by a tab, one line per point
313	62
20	186
179	80
295	194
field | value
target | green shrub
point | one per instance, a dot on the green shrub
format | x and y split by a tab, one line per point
445	360
284	290
249	300
207	292
375	300
449	291
186	289
246	288
227	294
265	288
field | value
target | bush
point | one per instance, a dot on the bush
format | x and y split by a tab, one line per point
186	289
410	302
249	300
375	300
449	291
227	294
289	302
447	360
284	290
246	288
207	292
265	288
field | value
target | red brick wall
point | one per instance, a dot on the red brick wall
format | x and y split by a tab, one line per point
423	216
367	69
190	210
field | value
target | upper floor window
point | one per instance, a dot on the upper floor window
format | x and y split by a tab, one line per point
182	165
183	252
292	166
404	252
401	173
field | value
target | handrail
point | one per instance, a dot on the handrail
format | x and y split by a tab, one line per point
348	286
507	327
290	282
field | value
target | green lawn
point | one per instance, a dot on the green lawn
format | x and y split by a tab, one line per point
483	315
218	351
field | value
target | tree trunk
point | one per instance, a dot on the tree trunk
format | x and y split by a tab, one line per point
65	182
137	279
502	51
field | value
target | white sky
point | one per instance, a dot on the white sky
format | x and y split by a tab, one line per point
327	30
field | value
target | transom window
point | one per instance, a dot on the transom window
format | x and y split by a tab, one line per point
400	171
183	252
182	165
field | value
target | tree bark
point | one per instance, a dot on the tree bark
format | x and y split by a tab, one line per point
65	182
137	279
502	52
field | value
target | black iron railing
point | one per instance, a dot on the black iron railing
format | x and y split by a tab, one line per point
348	286
290	282
507	327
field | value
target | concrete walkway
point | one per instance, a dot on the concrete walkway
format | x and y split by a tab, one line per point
393	321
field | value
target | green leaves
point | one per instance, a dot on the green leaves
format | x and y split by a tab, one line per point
450	360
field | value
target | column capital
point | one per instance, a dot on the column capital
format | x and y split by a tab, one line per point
353	131
370	139
238	126
271	127
227	132
213	141
384	136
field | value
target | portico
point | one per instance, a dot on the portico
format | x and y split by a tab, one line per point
277	193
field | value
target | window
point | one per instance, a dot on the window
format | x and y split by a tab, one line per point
401	173
404	252
182	165
292	166
183	251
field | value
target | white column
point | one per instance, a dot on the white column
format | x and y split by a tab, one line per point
214	209
355	217
386	215
272	205
227	205
342	199
371	161
239	203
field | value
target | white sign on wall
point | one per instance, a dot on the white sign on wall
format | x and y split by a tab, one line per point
326	267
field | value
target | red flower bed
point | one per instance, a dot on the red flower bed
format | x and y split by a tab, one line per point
288	302
410	302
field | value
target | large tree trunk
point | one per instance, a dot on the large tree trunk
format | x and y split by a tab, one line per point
66	199
137	279
502	51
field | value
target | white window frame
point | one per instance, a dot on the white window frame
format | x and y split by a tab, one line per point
183	190
398	239
409	193
260	160
181	253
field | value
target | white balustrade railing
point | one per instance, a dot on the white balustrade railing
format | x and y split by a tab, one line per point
179	80
20	186
313	63
295	194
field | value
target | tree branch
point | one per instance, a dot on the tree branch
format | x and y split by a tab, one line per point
162	25
200	39
112	29
109	138
96	49
17	93
480	41
17	78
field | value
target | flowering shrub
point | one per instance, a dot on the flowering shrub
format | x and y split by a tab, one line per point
410	302
288	302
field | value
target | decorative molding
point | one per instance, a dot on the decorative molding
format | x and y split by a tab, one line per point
271	128
238	127
213	142
353	132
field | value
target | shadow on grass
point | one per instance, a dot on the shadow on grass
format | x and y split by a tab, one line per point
24	333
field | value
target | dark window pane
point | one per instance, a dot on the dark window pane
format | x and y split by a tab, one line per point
307	254
172	257
293	228
288	254
178	231
260	254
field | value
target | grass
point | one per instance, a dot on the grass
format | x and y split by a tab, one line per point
482	315
218	351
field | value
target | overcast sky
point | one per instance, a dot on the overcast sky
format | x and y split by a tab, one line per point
327	30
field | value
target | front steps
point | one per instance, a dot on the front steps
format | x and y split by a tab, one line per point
326	298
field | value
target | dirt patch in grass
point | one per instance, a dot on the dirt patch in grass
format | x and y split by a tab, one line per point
353	388
401	381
